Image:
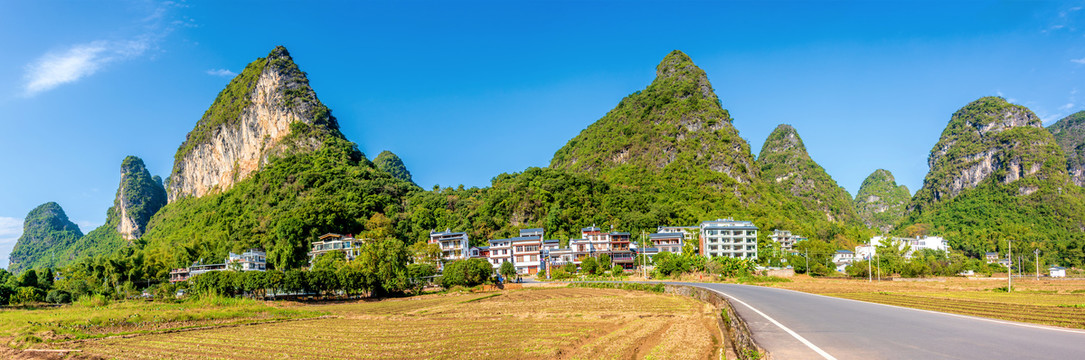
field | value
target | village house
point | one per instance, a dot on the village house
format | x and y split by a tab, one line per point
1057	272
991	257
348	245
251	260
454	245
843	258
913	244
785	238
668	242
728	237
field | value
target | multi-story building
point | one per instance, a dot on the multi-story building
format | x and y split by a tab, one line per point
525	252
864	252
252	260
454	245
728	237
621	253
667	242
330	242
785	238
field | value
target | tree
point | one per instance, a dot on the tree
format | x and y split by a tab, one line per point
604	262
295	281
425	252
384	263
507	271
45	279
589	265
470	272
420	274
29	279
330	261
617	271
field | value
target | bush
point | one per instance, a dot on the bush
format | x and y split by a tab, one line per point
467	273
58	297
26	295
617	271
589	265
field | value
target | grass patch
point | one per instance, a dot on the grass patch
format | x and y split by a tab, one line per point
96	317
480	298
751	279
656	288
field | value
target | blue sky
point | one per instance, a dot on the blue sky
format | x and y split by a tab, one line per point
464	91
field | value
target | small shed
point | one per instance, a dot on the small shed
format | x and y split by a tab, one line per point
1057	271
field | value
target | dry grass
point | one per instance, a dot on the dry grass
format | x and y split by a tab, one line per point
1045	301
568	323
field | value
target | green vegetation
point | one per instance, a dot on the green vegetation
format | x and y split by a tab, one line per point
47	233
1069	133
226	109
881	203
390	163
467	273
656	288
1027	196
786	164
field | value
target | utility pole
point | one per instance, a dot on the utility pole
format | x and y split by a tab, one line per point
869	274
1009	270
808	261
1037	252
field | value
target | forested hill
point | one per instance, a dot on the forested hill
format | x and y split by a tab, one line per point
665	155
880	202
1070	134
47	234
997	174
786	164
305	178
388	162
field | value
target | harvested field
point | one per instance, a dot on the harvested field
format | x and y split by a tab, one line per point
569	323
1045	301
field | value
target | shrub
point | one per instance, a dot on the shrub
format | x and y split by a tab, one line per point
617	271
92	301
467	273
58	297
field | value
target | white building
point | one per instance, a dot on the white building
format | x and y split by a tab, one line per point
454	245
330	242
843	256
252	260
785	238
864	252
1056	271
667	242
728	237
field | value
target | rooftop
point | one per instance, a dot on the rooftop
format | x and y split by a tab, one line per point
665	235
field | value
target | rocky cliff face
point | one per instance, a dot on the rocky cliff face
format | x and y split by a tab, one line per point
250	122
880	202
786	164
139	197
47	234
676	123
1069	132
988	140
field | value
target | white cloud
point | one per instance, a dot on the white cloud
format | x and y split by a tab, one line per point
76	62
1078	61
10	229
221	72
1068	106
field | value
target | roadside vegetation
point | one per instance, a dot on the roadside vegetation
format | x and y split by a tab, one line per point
1045	301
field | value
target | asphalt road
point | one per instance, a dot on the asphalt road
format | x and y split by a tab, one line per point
833	328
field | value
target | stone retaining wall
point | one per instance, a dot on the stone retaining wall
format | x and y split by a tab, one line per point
730	322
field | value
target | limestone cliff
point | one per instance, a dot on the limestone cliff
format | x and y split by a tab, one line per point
139	197
250	122
1069	132
988	140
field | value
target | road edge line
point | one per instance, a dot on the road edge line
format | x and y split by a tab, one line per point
778	324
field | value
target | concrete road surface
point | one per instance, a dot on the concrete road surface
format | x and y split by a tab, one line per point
795	325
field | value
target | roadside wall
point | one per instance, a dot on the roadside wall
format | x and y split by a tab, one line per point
730	322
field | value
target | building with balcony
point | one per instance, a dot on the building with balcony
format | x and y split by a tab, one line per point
454	245
785	238
728	237
667	242
911	245
330	242
251	260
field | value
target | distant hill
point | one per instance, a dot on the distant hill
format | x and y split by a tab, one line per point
1069	132
47	234
786	164
388	162
667	154
881	203
996	173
